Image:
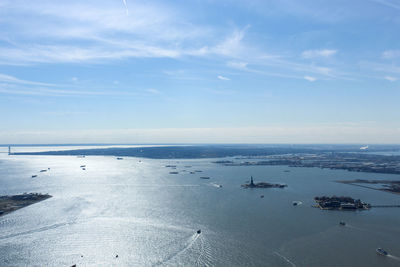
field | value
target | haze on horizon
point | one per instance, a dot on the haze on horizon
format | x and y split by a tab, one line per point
200	71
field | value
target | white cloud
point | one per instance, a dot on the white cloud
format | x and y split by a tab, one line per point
310	78
94	31
14	86
13	80
223	78
389	3
153	91
390	78
98	32
126	7
390	54
318	53
237	64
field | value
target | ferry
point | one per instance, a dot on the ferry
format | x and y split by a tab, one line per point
382	252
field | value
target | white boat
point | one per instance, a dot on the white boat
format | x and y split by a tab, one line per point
382	252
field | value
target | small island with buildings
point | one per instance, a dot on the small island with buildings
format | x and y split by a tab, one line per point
262	185
11	203
340	203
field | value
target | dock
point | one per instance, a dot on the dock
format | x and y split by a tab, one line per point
385	206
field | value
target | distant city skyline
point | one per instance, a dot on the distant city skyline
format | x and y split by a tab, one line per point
200	71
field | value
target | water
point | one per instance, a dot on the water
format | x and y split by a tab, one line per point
135	209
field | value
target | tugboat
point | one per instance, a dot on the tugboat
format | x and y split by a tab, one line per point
198	231
342	223
382	252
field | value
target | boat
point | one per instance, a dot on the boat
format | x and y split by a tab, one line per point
33	176
43	170
382	252
295	203
199	231
83	166
84	169
342	223
204	177
120	158
173	172
262	196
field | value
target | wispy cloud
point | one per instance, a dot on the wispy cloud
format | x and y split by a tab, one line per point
318	53
391	54
126	7
97	32
237	64
11	79
310	78
391	78
14	86
153	91
389	3
223	78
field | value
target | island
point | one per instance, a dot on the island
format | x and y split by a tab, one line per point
262	185
354	162
11	203
340	203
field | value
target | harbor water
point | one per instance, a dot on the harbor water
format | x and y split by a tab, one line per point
133	212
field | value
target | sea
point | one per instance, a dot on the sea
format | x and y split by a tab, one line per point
134	212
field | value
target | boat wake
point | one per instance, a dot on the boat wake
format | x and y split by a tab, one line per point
187	245
38	230
393	257
205	258
286	259
215	185
355	228
194	251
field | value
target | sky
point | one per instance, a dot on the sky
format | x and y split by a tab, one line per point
200	71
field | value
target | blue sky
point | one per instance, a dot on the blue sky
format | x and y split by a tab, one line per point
284	71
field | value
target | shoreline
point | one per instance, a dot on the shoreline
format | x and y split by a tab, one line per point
12	203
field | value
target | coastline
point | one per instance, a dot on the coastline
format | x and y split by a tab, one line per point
12	203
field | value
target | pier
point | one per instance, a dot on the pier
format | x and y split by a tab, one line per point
385	206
